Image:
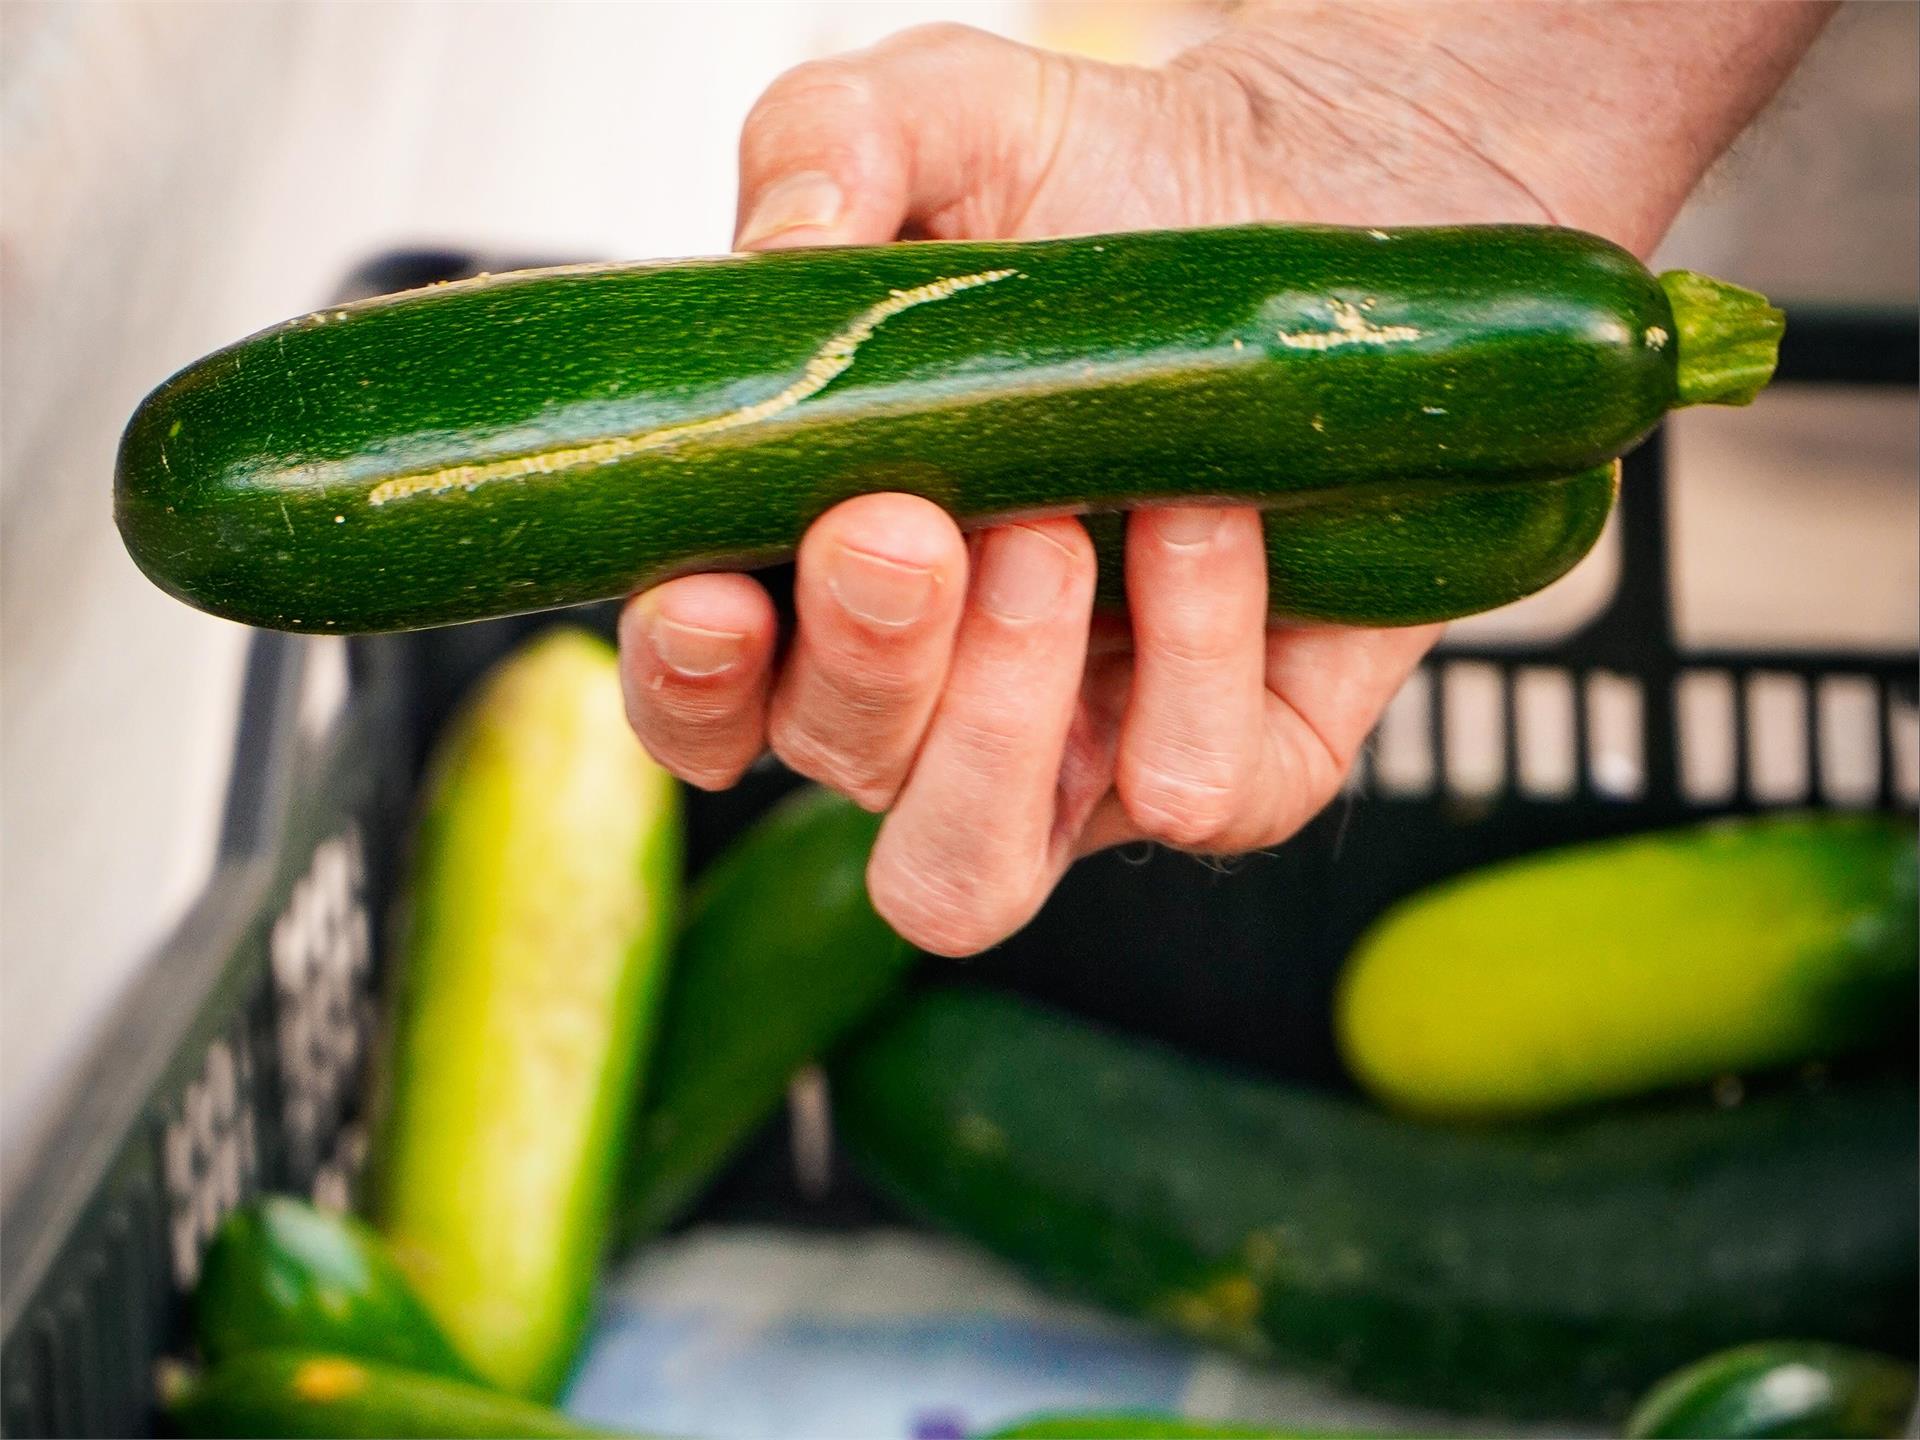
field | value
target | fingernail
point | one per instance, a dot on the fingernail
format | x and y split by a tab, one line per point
884	592
692	650
808	199
1188	526
1022	573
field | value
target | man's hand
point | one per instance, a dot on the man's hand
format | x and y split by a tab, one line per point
961	683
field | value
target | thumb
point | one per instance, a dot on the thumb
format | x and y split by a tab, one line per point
940	130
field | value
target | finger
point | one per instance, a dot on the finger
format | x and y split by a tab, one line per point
937	119
1192	742
694	657
878	591
1326	687
971	847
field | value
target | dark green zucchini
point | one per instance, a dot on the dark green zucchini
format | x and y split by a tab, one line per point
781	954
337	1397
1784	1389
282	1275
1385	555
1555	1271
529	440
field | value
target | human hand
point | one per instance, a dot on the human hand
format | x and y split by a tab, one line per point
961	683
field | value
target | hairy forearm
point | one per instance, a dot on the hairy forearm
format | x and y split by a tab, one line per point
1601	115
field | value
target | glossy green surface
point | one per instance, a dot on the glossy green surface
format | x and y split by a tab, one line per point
1556	1271
310	1393
700	414
1380	555
281	1274
541	905
780	956
1781	1388
1614	968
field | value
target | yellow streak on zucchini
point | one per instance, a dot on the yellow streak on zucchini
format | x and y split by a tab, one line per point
831	360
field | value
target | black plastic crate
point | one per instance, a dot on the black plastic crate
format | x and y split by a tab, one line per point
236	1064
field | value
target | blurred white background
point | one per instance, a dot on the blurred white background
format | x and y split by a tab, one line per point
177	175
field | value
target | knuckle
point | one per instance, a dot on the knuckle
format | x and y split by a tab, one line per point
801	91
989	738
936	910
702	771
689	709
875	679
945	35
1282	809
868	779
701	738
1179	813
1184	794
1192	636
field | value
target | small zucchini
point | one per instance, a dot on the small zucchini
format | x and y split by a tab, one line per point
302	1393
521	441
541	904
781	954
281	1274
1605	970
1781	1388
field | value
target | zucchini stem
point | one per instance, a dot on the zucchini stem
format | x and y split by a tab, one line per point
1727	340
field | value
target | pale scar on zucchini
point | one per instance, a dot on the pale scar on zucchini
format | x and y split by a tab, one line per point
831	360
1351	327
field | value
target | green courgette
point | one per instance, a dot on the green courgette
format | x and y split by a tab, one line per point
1609	969
1527	1272
781	954
521	441
1783	1389
281	1275
540	907
1384	555
338	1397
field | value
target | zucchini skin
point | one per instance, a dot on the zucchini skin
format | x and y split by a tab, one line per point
540	909
1384	555
1781	1388
1553	1272
337	1397
281	1274
1605	970
537	439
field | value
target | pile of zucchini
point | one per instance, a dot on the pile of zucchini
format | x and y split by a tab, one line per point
1525	1239
1537	1211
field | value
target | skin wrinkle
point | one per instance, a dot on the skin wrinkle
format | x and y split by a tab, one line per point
927	899
871	786
1365	86
1547	211
1056	121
